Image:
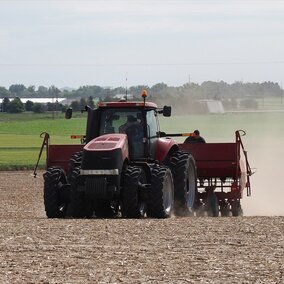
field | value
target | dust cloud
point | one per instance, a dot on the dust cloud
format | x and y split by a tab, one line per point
267	156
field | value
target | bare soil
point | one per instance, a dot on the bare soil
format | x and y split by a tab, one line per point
34	249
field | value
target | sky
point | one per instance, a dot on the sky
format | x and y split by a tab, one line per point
128	43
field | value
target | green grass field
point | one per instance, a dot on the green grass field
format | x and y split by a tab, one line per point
20	137
20	133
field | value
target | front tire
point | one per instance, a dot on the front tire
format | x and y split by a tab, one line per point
74	162
81	205
55	202
132	205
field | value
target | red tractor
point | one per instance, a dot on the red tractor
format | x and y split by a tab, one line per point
127	167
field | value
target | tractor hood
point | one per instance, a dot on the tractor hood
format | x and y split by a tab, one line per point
102	164
109	142
106	152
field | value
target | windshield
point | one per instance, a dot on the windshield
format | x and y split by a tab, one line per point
116	120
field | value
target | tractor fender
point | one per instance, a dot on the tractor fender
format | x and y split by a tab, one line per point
165	146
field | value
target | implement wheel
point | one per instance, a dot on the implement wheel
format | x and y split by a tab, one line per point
200	210
132	205
183	169
236	208
212	205
55	202
224	209
161	196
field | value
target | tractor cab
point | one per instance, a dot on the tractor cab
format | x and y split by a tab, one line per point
138	120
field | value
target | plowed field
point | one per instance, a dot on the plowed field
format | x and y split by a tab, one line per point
34	249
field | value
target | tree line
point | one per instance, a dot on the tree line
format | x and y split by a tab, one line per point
190	94
15	105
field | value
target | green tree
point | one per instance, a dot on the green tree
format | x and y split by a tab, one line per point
38	108
29	105
42	91
82	103
86	91
4	92
5	104
30	91
75	106
50	106
53	92
15	106
90	102
17	89
63	107
158	87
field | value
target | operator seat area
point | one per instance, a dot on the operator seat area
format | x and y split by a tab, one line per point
128	122
135	141
134	131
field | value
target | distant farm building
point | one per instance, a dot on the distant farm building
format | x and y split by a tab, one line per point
123	96
214	106
42	100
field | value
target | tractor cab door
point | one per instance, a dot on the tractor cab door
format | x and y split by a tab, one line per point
152	132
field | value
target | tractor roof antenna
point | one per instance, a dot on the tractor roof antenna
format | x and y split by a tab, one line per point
126	87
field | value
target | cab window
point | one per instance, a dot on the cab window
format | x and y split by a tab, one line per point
116	120
152	126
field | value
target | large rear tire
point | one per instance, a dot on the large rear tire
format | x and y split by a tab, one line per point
185	183
54	202
161	196
132	205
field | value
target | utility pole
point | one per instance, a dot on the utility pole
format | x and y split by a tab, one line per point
281	95
52	105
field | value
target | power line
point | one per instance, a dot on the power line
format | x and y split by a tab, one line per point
139	64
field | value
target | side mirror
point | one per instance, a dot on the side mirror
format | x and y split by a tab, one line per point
68	113
86	109
167	111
